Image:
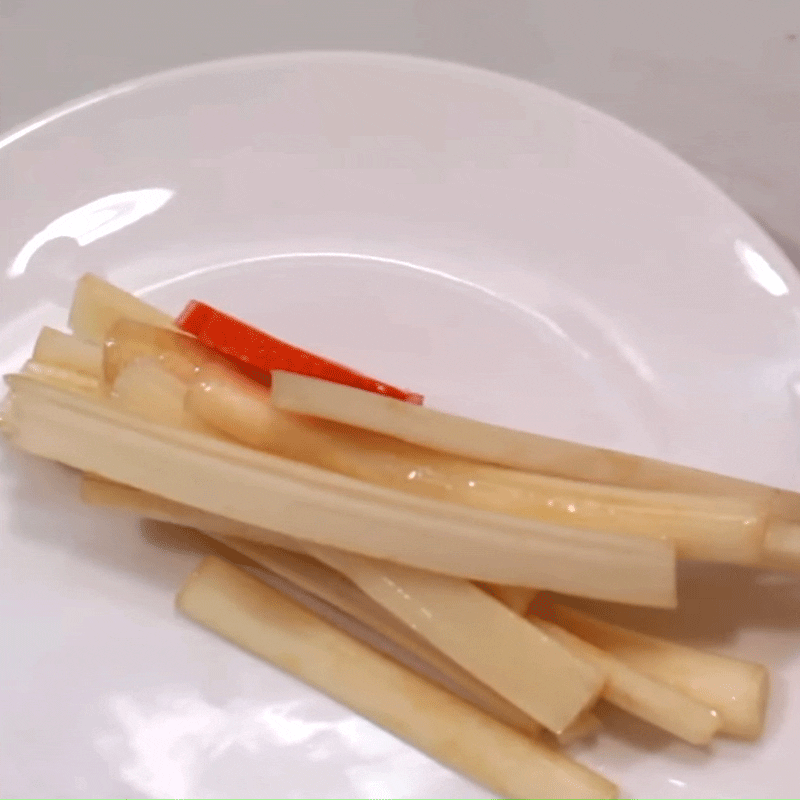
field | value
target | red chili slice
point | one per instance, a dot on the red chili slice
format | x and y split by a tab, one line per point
258	353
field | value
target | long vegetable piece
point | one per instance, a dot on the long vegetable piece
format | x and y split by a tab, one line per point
480	441
514	659
630	688
640	695
98	305
702	527
737	689
497	445
244	610
513	656
255	349
719	529
327	584
448	433
319	506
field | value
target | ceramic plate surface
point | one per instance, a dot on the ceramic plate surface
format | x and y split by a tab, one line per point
513	255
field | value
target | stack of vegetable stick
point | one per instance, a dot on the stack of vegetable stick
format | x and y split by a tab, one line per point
421	526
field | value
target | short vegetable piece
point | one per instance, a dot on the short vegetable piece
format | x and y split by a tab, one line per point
730	530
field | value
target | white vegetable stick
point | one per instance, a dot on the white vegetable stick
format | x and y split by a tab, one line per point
318	506
643	696
513	659
57	349
252	615
497	445
736	689
437	430
97	306
99	491
64	378
332	587
719	529
513	656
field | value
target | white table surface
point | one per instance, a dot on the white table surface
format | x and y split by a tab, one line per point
718	81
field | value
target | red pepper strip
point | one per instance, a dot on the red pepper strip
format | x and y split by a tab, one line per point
257	353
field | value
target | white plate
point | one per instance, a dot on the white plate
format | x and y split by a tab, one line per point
508	252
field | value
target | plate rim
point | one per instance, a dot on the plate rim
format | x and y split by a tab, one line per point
48	120
786	267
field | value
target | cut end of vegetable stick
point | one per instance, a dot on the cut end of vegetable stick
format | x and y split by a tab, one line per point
517	598
238	407
738	690
782	545
146	388
97	305
588	724
148	391
259	619
57	349
128	340
638	694
513	656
